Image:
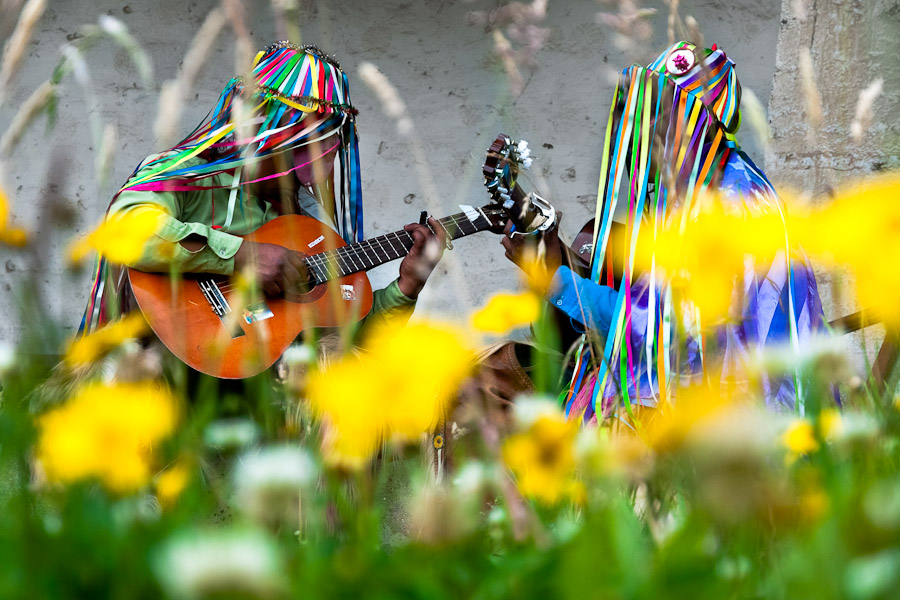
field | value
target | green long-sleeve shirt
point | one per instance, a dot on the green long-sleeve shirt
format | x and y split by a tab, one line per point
204	213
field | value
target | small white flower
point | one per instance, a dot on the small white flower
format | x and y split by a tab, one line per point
267	482
528	409
855	426
230	434
827	352
299	354
471	479
200	564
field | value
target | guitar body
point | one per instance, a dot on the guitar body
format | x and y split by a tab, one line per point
253	332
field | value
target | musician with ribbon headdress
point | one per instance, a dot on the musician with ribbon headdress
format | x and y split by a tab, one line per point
670	145
267	148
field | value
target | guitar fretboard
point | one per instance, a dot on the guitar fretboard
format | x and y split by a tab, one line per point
370	253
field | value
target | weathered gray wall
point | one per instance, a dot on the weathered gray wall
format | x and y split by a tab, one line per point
444	69
851	43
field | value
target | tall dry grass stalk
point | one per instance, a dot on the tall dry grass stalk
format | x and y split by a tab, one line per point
117	30
286	19
632	29
245	48
811	96
694	34
522	37
755	114
35	103
106	152
507	56
674	20
864	110
174	92
18	41
395	108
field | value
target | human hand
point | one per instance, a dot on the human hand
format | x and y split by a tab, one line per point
428	246
277	269
538	255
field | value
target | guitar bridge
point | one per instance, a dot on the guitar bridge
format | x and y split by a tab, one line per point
219	304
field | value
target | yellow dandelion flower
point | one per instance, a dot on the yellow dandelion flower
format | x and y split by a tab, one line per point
87	349
543	460
419	367
831	424
704	259
814	504
171	482
121	238
10	236
504	312
397	389
799	439
347	398
536	274
106	432
671	425
861	214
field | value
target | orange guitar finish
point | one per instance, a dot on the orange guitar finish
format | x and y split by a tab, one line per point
183	319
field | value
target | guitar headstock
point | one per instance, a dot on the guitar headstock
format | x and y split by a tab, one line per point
529	212
501	169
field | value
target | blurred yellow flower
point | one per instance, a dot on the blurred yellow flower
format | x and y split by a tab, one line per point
669	428
861	228
831	424
420	367
799	439
87	349
504	312
704	259
536	274
171	482
121	238
814	504
542	459
106	432
397	389
10	236
347	398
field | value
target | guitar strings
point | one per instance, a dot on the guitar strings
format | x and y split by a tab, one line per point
331	257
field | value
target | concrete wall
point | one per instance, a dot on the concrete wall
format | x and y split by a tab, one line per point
851	43
443	67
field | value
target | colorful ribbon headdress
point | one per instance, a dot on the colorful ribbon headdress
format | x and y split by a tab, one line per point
669	134
289	82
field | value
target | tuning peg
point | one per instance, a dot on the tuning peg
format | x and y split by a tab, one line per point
523	149
508	204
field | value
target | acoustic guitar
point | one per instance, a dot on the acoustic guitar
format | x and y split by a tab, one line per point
225	331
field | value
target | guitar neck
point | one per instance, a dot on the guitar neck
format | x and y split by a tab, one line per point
376	251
